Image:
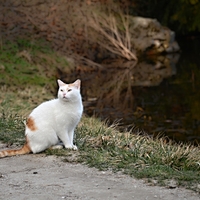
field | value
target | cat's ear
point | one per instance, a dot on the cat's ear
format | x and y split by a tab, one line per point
77	84
60	83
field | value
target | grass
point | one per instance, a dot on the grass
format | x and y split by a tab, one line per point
28	73
17	64
139	156
30	62
158	160
105	148
12	129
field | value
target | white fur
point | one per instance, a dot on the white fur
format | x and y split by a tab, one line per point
56	119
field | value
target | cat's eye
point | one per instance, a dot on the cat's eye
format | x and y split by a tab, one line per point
61	90
69	90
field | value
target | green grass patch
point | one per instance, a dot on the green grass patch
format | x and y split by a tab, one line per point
28	73
29	62
11	129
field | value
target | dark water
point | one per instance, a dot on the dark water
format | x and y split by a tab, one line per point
158	95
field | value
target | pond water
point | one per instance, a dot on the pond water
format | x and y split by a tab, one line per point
158	95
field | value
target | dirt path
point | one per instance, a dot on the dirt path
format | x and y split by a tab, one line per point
43	177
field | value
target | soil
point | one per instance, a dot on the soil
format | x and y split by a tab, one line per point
41	177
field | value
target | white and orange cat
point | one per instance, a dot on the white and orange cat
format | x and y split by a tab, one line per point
52	121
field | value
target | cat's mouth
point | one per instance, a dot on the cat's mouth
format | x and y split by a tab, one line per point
65	98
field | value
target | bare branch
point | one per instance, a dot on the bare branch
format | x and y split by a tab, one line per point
110	37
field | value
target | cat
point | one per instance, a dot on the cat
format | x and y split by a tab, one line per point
52	121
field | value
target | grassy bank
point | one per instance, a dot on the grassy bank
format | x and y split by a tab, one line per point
104	147
25	83
28	73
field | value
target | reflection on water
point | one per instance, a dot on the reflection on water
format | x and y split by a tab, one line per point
158	95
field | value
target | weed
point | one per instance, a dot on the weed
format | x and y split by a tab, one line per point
11	129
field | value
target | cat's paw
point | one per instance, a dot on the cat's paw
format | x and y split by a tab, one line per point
73	147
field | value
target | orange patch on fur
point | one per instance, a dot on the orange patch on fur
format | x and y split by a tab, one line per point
31	124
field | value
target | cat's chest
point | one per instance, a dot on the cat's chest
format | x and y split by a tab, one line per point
66	121
66	110
67	115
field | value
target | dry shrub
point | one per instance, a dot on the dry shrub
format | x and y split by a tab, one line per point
75	28
112	31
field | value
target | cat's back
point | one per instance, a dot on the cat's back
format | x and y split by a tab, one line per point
44	115
46	107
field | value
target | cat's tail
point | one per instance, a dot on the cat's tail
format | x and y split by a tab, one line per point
24	150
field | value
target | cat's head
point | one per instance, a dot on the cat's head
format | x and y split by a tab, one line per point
69	92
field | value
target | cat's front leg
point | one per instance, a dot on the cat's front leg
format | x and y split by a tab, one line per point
64	137
71	138
67	140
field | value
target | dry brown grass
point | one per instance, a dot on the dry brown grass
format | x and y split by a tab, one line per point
105	147
113	34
